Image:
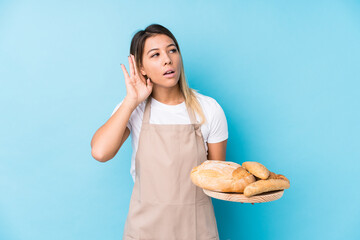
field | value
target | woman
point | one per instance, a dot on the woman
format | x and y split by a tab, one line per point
173	129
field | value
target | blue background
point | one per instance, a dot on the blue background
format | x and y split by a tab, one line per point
285	72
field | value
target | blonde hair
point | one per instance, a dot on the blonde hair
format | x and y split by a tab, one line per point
189	94
137	49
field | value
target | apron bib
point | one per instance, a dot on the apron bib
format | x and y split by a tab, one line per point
165	204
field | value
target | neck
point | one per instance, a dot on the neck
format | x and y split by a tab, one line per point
169	96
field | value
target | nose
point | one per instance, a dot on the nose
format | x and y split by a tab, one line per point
167	59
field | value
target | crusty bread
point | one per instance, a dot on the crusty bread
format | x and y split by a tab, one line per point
221	176
272	175
268	185
257	169
277	176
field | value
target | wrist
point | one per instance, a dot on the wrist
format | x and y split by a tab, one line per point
130	103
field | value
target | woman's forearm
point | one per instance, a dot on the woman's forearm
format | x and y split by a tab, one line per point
108	138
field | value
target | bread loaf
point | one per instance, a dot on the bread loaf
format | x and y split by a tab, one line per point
257	169
221	176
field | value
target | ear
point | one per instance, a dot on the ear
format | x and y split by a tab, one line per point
142	70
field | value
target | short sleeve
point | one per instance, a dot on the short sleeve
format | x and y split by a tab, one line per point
218	125
116	108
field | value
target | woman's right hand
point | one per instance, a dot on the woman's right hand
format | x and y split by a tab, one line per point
137	87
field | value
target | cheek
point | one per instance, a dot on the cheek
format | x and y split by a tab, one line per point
154	70
179	63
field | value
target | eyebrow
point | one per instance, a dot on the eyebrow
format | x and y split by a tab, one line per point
171	44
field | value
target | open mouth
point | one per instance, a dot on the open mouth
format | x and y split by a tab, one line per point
169	72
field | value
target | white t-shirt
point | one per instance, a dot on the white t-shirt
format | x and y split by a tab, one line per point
214	130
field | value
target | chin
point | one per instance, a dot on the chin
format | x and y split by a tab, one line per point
168	85
167	82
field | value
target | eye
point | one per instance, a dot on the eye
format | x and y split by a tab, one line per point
174	50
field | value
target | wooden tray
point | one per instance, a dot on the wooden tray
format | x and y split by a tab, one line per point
239	197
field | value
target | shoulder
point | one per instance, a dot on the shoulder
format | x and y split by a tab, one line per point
207	103
216	120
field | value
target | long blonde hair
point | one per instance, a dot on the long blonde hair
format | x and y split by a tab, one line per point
137	49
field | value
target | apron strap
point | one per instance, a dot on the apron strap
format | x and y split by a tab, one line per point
146	117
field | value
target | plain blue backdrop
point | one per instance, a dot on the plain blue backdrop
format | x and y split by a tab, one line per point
286	74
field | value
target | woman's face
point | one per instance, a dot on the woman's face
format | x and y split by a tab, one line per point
160	55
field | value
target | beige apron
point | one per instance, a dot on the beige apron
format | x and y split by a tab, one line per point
165	204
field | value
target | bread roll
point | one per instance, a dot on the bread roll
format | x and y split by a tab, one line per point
277	176
257	169
272	175
265	186
221	176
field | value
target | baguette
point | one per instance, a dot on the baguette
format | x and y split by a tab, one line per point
268	185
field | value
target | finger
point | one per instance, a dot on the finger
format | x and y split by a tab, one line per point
133	59
131	64
126	74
